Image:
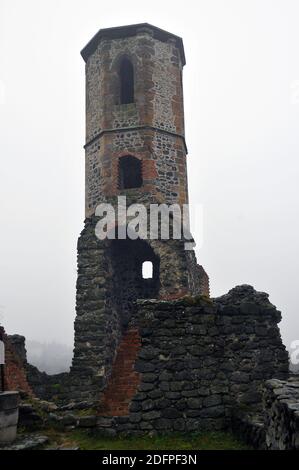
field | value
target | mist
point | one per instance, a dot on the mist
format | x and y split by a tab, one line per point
241	89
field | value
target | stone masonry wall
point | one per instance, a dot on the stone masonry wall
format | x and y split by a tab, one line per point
281	405
102	310
151	129
157	85
196	364
200	359
15	376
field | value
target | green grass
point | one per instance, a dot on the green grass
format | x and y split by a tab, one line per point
87	440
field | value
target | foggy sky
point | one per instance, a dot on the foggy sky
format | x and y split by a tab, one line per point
241	86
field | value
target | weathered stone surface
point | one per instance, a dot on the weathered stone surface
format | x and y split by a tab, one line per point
88	421
199	388
9	400
250	427
154	362
69	420
151	130
281	405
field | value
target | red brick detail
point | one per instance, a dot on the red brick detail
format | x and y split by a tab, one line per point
149	171
14	373
124	380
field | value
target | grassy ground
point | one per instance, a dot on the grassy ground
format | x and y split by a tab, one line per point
90	441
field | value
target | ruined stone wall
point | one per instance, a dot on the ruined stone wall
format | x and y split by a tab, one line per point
14	370
195	364
198	280
163	160
200	359
108	285
97	326
151	128
281	406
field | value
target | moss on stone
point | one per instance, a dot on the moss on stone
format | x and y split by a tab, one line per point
197	300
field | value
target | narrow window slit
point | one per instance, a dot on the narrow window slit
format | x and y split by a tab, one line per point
126	75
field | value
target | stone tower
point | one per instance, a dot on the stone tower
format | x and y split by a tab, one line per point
135	147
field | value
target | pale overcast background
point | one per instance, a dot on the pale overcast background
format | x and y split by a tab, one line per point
241	88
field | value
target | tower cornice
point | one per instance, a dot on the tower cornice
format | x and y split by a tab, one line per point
128	31
134	128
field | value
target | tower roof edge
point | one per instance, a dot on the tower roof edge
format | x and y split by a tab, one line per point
119	32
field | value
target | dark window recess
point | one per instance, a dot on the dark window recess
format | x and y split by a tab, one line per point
127	259
126	75
130	172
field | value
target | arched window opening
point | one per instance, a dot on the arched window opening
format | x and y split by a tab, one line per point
126	76
130	172
128	257
147	270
